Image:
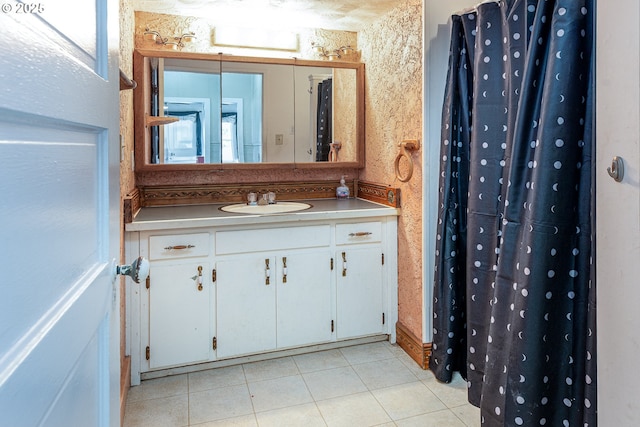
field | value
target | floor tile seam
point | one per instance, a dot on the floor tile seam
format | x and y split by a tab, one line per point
446	408
415	379
256	413
437	395
370	361
460	418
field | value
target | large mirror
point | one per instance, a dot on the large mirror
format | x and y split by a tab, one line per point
194	110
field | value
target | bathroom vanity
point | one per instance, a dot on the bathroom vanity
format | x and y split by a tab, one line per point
229	287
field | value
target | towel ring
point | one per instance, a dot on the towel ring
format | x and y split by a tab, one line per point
333	151
406	147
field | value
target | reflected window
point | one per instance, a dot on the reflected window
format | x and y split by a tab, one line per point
185	140
230	143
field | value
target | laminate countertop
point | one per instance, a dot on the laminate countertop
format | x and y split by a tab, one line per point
211	215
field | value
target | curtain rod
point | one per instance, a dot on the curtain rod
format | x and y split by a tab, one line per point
475	8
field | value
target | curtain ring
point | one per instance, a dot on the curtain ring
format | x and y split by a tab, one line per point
405	147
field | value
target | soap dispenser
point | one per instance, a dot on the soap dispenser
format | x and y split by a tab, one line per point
342	192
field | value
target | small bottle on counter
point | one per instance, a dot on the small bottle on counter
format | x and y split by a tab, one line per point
342	192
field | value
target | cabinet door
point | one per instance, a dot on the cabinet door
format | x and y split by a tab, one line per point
246	312
304	298
359	308
179	313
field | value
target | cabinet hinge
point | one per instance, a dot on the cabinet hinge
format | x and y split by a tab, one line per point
147	353
214	343
148	282
214	275
382	259
332	326
331	264
383	318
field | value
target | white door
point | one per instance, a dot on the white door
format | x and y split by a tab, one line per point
59	121
618	213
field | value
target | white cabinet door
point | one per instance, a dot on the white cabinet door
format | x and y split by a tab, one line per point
246	311
179	319
359	291
304	298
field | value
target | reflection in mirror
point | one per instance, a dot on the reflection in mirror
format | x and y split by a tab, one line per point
326	114
190	91
237	110
262	96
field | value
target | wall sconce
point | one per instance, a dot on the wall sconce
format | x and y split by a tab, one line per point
178	41
334	54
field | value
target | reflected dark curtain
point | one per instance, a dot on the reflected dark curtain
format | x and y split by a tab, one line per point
323	141
514	297
155	110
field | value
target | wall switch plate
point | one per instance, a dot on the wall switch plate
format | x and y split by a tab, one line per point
279	139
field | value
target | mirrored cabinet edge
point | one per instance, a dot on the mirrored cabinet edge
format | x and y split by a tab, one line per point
144	120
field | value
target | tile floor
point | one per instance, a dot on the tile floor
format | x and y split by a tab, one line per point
366	385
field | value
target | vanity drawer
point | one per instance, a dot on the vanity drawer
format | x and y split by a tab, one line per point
361	232
178	246
271	239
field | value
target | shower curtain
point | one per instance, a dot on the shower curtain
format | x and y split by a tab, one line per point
514	297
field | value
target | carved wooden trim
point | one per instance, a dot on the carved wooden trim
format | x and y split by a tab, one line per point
413	346
386	195
237	193
131	204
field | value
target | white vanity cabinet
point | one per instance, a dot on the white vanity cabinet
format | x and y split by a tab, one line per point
179	299
226	289
274	289
360	279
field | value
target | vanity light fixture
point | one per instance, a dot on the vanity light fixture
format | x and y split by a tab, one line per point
177	41
334	54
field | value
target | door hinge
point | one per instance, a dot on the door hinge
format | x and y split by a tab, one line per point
148	282
214	275
332	326
214	343
147	353
382	259
331	264
383	318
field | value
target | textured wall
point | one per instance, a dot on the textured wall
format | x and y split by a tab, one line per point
127	177
170	25
392	52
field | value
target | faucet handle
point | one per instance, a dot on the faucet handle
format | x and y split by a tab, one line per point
252	198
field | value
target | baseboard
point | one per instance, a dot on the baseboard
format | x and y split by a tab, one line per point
125	384
413	346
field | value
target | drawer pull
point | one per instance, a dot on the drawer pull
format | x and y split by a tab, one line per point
360	234
178	247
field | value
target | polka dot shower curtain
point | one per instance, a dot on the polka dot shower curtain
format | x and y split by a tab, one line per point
514	299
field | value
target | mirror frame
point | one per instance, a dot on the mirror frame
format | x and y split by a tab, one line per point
143	120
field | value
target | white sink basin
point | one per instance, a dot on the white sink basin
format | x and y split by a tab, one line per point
280	207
